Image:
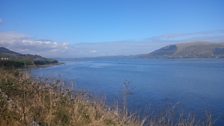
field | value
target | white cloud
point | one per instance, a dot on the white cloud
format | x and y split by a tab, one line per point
93	51
141	46
24	44
212	36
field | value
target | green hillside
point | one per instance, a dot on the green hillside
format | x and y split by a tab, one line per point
10	58
189	50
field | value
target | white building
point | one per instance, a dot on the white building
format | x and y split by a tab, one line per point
4	58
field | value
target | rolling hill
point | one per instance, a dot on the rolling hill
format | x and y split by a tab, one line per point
189	50
8	57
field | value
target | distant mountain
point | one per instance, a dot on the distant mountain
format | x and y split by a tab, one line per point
7	56
189	50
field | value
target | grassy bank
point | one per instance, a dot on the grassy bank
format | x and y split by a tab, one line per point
26	102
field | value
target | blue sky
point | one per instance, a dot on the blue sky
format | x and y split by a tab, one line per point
103	21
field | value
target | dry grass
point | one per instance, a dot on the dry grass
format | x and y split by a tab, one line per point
28	102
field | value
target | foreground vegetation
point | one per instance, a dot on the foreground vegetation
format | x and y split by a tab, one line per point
28	102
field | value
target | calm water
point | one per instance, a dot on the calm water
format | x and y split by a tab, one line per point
195	85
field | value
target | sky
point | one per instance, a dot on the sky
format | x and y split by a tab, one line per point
85	28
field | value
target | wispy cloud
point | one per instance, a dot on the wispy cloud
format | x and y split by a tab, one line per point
214	36
113	48
24	44
143	46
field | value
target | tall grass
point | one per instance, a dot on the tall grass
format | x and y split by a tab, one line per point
28	102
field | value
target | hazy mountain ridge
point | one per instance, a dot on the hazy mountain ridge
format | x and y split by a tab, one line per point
189	50
25	58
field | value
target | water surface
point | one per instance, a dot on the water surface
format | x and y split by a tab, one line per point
195	85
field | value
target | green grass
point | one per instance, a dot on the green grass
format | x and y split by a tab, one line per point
25	102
